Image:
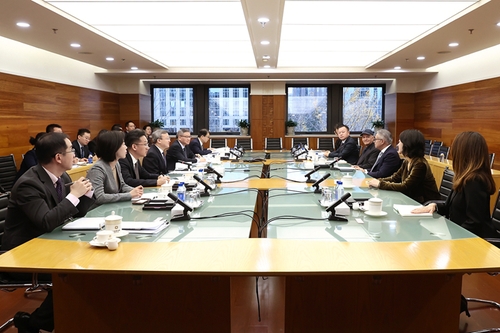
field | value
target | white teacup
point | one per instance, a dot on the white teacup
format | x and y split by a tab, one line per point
165	189
113	223
374	205
112	244
347	180
102	236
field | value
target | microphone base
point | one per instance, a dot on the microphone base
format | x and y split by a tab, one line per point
217	181
317	190
204	194
334	217
183	217
310	181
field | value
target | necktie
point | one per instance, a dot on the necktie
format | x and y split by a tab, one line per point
136	169
378	158
184	152
82	153
59	189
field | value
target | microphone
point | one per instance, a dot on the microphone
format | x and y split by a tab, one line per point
332	165
206	193
308	175
235	152
331	209
316	184
185	215
189	164
212	170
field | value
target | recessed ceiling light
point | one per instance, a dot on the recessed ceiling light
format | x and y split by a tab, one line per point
266	56
397	67
263	21
498	24
110	58
267	66
420	58
265	60
75	45
453	44
23	24
134	68
264	42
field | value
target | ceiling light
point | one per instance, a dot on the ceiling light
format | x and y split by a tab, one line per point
110	58
134	68
266	56
397	67
263	21
75	45
267	66
420	58
498	24
23	24
453	44
264	42
265	60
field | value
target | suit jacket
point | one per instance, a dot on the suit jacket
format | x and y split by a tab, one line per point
78	151
348	151
388	164
368	157
155	162
175	153
128	173
29	161
105	187
197	148
413	179
470	208
35	209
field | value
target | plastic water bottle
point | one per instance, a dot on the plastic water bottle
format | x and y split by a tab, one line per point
340	189
181	191
89	160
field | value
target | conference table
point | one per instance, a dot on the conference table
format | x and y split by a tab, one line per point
376	274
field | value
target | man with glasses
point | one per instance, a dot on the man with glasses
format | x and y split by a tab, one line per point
81	144
196	145
155	161
132	171
348	149
180	151
42	199
370	152
388	160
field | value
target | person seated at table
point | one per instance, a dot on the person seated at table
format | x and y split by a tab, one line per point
468	204
53	128
348	149
180	151
155	161
388	160
196	145
117	127
414	178
106	175
29	159
149	132
369	154
41	201
132	171
81	144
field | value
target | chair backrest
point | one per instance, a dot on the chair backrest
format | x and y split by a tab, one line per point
218	143
427	149
273	144
4	202
304	141
446	184
325	144
247	144
444	150
8	171
429	142
435	148
492	160
495	217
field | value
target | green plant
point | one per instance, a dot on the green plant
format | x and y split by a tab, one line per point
243	123
290	123
378	123
156	124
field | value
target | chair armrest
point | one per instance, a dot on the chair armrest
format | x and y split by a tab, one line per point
434	201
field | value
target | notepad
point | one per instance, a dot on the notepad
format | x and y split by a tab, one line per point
405	210
85	223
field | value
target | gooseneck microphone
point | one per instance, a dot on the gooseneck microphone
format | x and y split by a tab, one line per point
308	175
212	170
185	214
331	209
316	184
205	193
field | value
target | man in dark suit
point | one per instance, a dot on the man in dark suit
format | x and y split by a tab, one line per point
132	171
40	201
179	150
155	161
196	145
81	144
388	160
348	149
370	152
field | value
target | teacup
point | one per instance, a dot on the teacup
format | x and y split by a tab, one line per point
165	189
347	180
102	236
112	244
374	205
113	223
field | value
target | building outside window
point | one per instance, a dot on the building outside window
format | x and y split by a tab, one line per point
361	106
307	106
233	102
174	107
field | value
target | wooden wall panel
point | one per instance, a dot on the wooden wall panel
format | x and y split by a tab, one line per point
28	105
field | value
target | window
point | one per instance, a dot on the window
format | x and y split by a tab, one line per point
170	105
361	106
233	103
307	106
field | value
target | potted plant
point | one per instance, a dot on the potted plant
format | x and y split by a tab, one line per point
244	126
157	124
378	124
290	127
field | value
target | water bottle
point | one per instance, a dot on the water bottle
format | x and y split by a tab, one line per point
181	191
89	160
340	189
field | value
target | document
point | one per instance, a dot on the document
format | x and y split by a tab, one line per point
405	210
85	223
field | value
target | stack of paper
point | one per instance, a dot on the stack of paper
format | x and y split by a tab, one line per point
85	223
405	210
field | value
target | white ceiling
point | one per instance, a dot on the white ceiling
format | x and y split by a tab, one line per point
210	39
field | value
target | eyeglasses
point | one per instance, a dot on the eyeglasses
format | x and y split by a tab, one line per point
72	151
186	136
141	144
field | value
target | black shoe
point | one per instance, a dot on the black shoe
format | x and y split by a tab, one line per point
22	323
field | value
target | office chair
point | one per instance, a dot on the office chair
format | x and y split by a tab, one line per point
492	159
325	144
444	150
273	144
427	149
303	141
8	171
247	144
218	143
445	187
435	148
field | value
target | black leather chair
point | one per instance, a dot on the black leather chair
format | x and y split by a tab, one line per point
445	187
247	144
427	149
325	144
8	171
444	150
218	143
303	141
435	148
273	144
492	160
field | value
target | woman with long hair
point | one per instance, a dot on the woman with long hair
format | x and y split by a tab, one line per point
414	178
29	159
468	204
106	175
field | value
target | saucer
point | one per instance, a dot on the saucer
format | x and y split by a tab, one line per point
349	186
381	213
99	244
121	233
323	204
200	203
